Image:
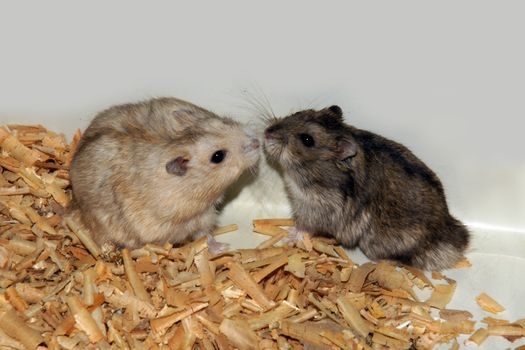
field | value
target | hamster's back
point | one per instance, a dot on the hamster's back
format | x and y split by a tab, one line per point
407	196
394	171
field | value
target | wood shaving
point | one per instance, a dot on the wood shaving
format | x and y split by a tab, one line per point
442	295
488	304
478	337
59	289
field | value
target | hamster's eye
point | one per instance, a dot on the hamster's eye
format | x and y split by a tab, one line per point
218	156
307	140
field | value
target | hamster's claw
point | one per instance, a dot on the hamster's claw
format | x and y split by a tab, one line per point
215	247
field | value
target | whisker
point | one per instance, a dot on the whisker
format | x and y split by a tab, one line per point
267	102
260	105
254	170
255	104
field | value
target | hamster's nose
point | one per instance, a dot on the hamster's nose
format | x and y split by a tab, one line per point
268	134
274	134
251	145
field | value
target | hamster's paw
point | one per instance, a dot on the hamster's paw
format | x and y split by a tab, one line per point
111	252
215	247
295	236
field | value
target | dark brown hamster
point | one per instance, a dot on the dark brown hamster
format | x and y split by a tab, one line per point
364	190
154	171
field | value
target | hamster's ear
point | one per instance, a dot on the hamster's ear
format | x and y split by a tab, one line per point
332	115
346	149
178	166
336	111
183	116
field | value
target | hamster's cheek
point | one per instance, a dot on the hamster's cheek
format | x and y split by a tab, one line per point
276	150
289	158
232	170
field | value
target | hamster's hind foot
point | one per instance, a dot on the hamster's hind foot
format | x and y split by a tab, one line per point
111	252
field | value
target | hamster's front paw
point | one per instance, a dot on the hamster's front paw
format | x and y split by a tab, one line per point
299	238
215	247
295	235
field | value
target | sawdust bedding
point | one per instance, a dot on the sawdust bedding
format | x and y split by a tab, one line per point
58	289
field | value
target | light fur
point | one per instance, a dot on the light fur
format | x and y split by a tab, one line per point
122	192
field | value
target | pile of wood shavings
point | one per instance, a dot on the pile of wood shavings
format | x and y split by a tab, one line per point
58	290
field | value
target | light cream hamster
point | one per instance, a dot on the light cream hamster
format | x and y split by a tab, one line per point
154	171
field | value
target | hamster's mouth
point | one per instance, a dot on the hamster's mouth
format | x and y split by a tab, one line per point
253	160
252	146
276	153
273	149
252	151
273	143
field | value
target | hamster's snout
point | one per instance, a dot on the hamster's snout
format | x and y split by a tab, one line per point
268	135
272	134
253	144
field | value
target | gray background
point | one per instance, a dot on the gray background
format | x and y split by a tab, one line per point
446	78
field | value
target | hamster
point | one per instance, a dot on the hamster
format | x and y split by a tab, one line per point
364	190
154	171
